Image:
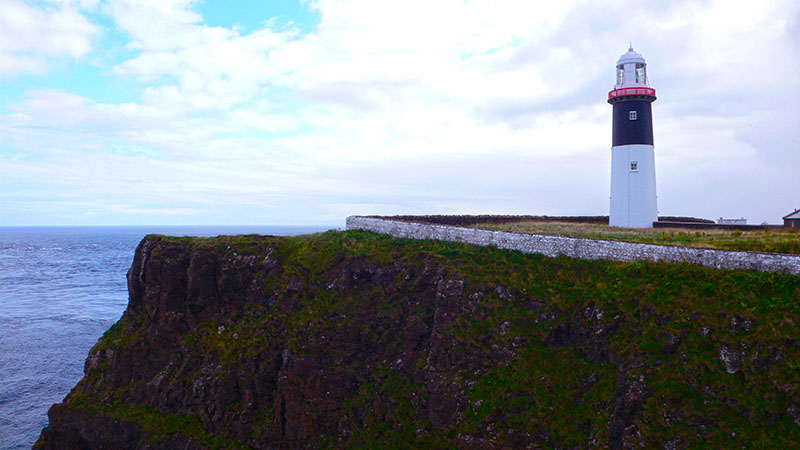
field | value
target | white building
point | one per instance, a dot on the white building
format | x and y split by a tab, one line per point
740	221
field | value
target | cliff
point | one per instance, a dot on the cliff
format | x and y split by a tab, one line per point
352	339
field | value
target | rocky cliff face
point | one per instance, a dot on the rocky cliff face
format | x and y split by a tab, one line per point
358	340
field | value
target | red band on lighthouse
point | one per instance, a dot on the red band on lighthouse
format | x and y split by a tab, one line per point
649	92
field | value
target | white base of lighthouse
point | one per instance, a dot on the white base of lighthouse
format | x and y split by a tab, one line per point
633	186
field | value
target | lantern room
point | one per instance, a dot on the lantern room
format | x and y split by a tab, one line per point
631	78
631	70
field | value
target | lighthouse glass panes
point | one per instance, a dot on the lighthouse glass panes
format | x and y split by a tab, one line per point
641	75
620	75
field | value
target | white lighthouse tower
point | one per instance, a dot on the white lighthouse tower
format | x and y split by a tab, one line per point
633	166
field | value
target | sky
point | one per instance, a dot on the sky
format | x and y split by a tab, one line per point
249	112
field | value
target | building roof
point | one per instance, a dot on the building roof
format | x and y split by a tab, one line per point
793	215
630	57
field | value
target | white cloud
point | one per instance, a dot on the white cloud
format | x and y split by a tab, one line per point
420	107
31	37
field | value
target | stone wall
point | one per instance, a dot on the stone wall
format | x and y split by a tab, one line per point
580	247
708	226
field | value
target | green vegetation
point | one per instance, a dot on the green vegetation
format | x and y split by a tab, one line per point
156	425
774	241
557	352
122	334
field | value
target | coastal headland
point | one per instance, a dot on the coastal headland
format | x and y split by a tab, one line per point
359	340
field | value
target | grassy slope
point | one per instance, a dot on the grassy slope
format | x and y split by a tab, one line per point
777	241
556	388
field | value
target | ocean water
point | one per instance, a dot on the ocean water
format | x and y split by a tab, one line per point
60	289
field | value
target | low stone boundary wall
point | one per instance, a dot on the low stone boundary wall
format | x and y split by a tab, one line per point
708	226
581	247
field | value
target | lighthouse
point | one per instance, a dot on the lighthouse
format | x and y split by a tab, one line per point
633	166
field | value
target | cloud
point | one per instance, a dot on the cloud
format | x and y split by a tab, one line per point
413	107
189	65
33	37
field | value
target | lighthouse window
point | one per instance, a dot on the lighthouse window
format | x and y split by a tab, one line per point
634	166
640	74
631	115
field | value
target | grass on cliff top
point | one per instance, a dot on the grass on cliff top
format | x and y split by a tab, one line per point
771	241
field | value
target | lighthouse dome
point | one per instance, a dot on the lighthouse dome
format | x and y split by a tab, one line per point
630	57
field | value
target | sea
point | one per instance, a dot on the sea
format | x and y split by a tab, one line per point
60	289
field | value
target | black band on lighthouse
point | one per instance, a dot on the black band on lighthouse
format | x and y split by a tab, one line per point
633	122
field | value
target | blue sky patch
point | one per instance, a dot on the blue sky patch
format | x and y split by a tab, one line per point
251	15
80	78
